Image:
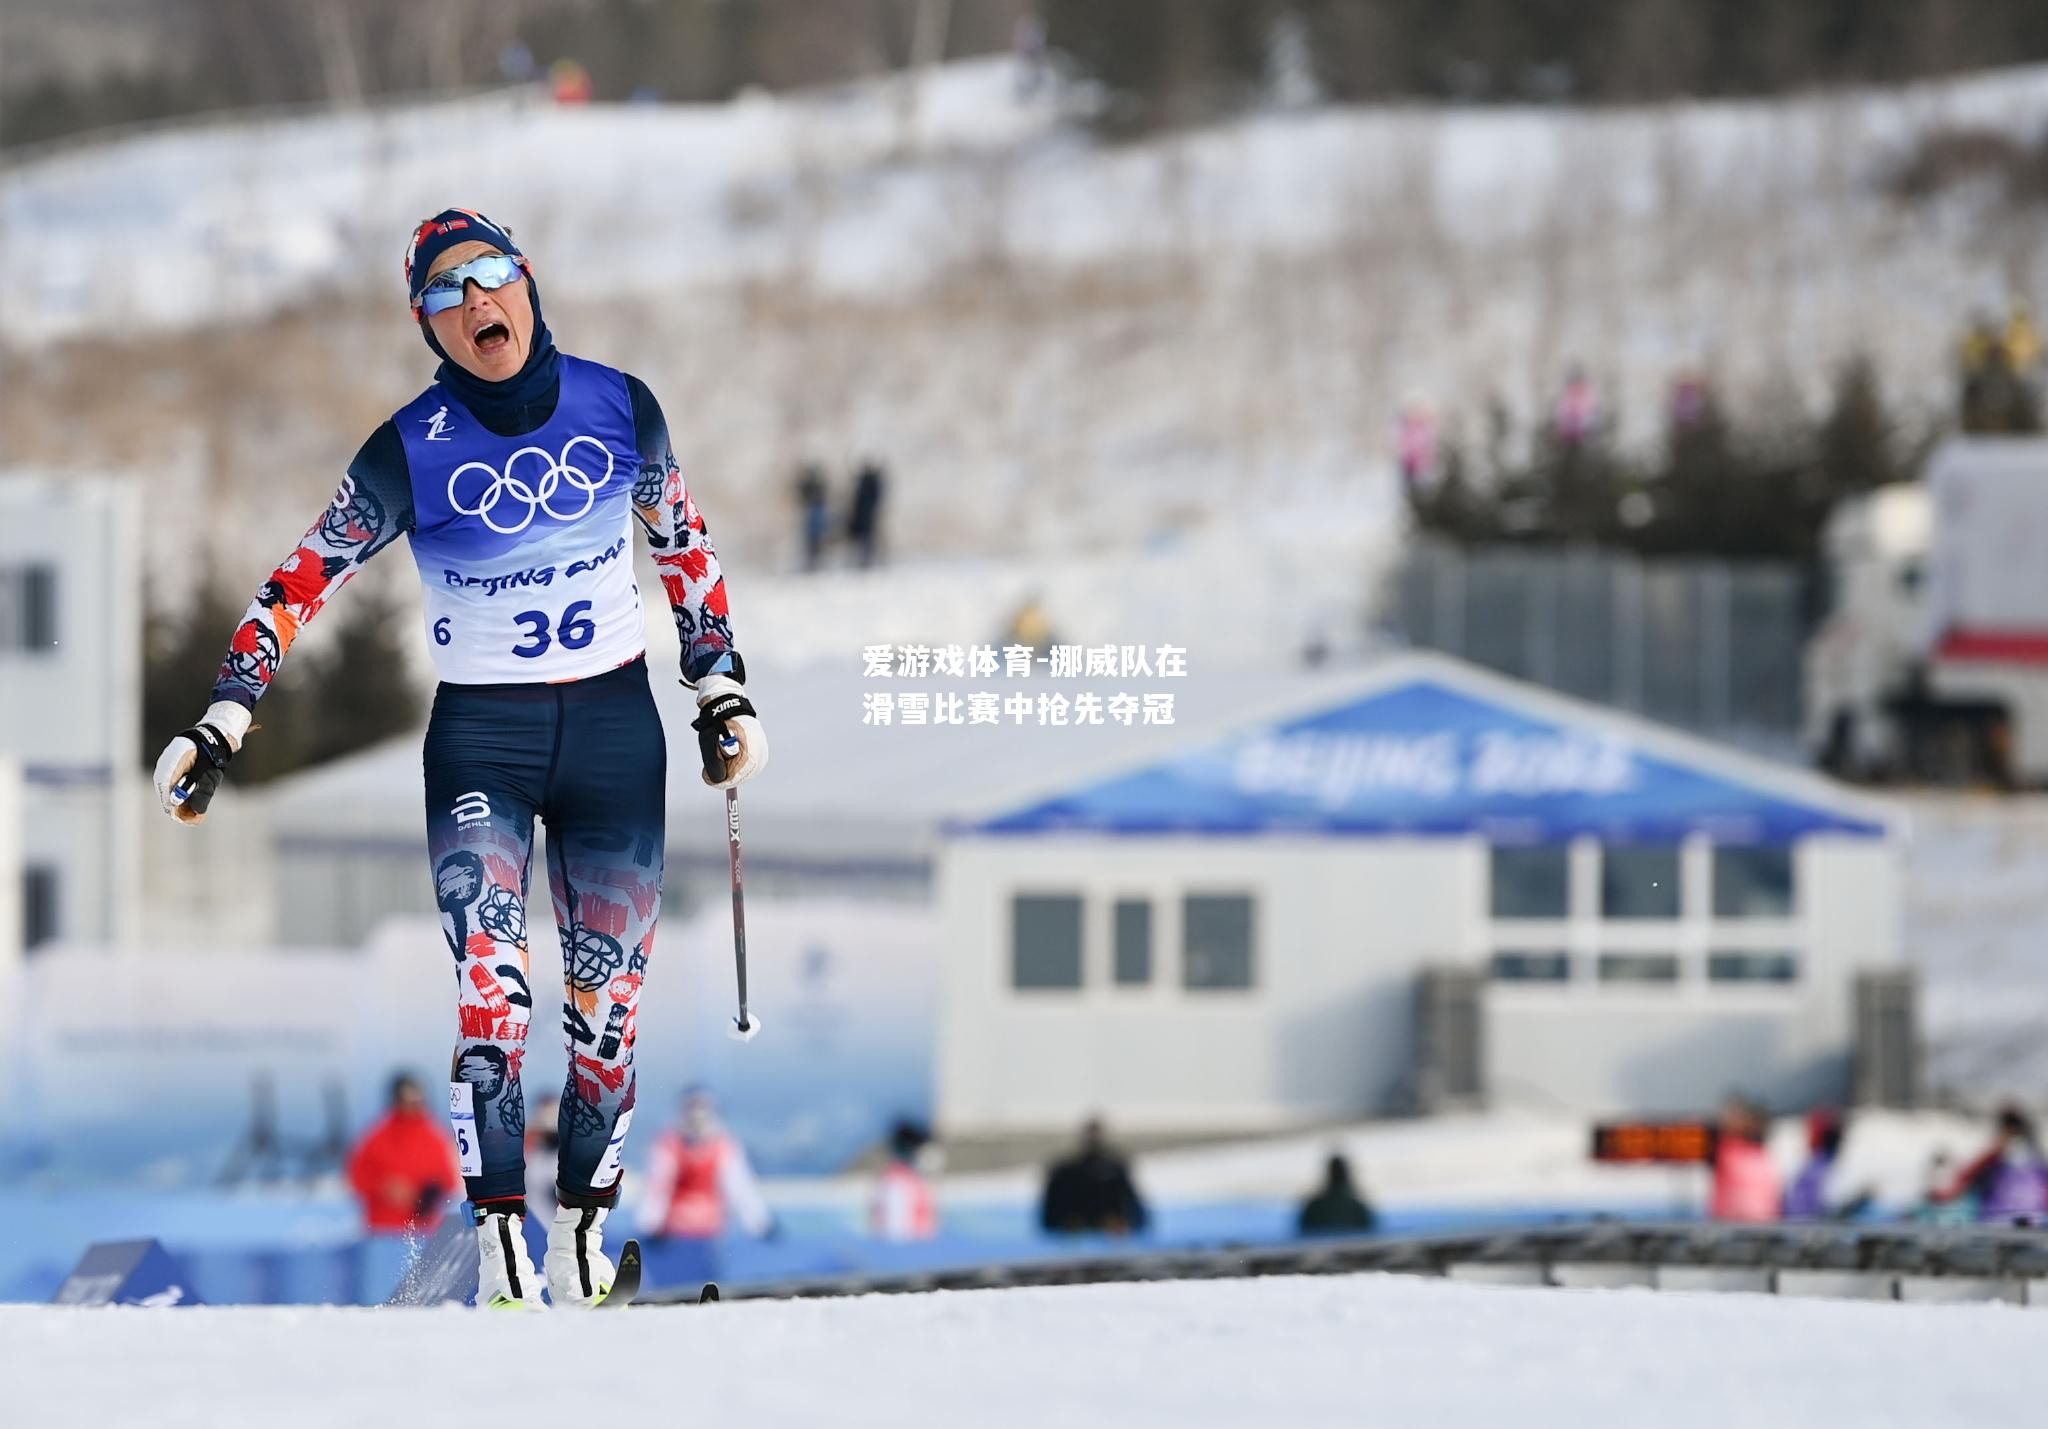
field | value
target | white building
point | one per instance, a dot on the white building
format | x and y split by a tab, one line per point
70	700
1222	922
1232	932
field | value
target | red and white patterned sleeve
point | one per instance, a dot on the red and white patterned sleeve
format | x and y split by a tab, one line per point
372	509
683	552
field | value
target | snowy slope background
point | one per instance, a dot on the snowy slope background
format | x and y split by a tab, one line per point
1059	347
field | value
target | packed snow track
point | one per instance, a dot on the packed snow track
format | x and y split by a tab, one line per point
1293	1351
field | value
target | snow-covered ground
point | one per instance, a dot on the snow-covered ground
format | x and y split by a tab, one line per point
1295	1352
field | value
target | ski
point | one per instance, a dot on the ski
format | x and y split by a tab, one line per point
709	1294
625	1280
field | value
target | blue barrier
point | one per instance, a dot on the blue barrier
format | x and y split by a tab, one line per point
128	1272
277	1248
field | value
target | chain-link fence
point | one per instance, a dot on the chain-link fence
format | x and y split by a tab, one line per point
1708	645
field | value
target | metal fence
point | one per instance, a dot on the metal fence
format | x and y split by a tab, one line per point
1707	645
1897	1262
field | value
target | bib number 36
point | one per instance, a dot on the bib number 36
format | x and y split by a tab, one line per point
574	629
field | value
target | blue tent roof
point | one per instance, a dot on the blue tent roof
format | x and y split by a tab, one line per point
1427	756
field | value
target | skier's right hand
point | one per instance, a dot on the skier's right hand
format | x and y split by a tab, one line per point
190	768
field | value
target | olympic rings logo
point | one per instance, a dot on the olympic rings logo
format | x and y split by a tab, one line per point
535	497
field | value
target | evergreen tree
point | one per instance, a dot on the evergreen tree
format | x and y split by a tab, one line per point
363	693
182	656
324	703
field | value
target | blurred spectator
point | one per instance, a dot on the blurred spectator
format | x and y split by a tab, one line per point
1575	419
1415	439
517	65
1974	357
1807	1198
1031	626
2008	1182
1747	1186
1995	367
1027	44
569	82
404	1167
698	1176
1336	1207
2022	342
1932	1208
1092	1191
543	1154
1690	401
812	497
903	1207
864	521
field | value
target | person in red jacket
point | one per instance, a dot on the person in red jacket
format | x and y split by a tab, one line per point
1747	1186
698	1178
903	1207
404	1167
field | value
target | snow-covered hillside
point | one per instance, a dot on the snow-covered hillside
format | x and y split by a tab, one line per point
1297	1352
1052	342
1684	224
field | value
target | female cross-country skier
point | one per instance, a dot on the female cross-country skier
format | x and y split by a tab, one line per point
517	476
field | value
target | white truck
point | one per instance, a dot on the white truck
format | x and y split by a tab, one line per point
1932	661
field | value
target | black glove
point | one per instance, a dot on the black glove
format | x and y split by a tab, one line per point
710	727
203	778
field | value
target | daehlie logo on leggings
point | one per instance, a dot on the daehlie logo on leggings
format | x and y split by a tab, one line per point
508	500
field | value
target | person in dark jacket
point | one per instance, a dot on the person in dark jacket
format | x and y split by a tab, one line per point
1092	1191
864	521
813	499
1336	1207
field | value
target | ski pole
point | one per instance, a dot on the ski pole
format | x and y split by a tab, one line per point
745	1025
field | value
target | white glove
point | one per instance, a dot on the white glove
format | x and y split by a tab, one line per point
724	715
189	770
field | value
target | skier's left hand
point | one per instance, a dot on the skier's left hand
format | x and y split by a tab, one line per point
724	714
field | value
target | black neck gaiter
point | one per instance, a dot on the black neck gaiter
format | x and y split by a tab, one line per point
521	402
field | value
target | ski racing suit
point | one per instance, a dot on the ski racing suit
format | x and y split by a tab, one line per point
534	619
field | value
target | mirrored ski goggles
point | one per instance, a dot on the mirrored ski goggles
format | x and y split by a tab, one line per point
492	270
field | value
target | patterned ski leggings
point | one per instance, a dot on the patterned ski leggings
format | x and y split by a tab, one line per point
588	759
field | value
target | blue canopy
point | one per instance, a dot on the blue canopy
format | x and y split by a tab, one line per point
1426	757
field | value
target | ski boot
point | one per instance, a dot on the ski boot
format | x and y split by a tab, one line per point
579	1273
504	1278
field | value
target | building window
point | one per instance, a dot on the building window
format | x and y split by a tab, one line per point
39	918
1133	942
1531	882
1726	967
1045	941
1657	968
1753	883
1518	966
1217	940
1639	881
28	608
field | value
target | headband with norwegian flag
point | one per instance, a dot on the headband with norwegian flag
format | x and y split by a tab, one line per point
443	231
